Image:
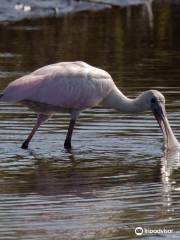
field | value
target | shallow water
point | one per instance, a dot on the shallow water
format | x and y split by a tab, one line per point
116	178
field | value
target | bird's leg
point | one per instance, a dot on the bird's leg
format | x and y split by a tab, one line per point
67	143
41	118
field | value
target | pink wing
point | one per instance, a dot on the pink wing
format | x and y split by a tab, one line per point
74	85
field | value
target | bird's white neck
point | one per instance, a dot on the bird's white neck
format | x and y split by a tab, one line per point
117	100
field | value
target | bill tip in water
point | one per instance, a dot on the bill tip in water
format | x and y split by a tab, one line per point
171	142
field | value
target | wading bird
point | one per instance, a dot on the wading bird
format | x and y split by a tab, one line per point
74	86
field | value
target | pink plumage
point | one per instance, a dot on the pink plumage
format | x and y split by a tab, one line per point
72	85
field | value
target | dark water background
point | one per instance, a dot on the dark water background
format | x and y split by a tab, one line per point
116	178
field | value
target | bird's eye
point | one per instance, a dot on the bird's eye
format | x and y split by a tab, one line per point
153	100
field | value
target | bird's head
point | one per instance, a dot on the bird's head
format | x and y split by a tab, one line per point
155	101
152	98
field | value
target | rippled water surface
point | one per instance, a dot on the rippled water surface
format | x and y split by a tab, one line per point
117	176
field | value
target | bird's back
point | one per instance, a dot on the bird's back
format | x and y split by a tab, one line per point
73	85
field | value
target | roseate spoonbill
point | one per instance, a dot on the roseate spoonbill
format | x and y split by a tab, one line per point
74	86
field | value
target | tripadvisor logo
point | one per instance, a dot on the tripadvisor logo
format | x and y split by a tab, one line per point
140	231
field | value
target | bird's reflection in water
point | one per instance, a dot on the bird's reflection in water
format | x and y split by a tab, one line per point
169	162
61	176
149	12
71	156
